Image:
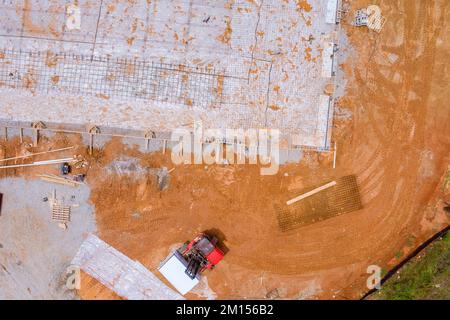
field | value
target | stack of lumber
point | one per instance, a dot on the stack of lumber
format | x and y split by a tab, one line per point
60	180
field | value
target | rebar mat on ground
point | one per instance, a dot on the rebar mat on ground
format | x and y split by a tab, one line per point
342	198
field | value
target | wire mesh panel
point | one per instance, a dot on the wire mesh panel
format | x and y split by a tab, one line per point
110	78
342	198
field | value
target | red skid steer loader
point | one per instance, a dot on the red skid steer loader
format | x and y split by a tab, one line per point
184	266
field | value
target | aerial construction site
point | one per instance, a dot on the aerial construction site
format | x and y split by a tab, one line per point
220	149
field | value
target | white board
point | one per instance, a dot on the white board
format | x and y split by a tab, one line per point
173	270
327	63
128	278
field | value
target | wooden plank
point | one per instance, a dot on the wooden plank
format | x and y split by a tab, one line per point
67	182
35	137
59	178
61	213
310	193
35	154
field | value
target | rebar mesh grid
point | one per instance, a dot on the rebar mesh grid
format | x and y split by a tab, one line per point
105	77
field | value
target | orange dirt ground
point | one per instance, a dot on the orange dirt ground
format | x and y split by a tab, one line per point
397	143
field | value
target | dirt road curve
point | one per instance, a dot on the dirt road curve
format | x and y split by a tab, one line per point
397	143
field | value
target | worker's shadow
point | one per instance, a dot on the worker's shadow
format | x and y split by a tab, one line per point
220	239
